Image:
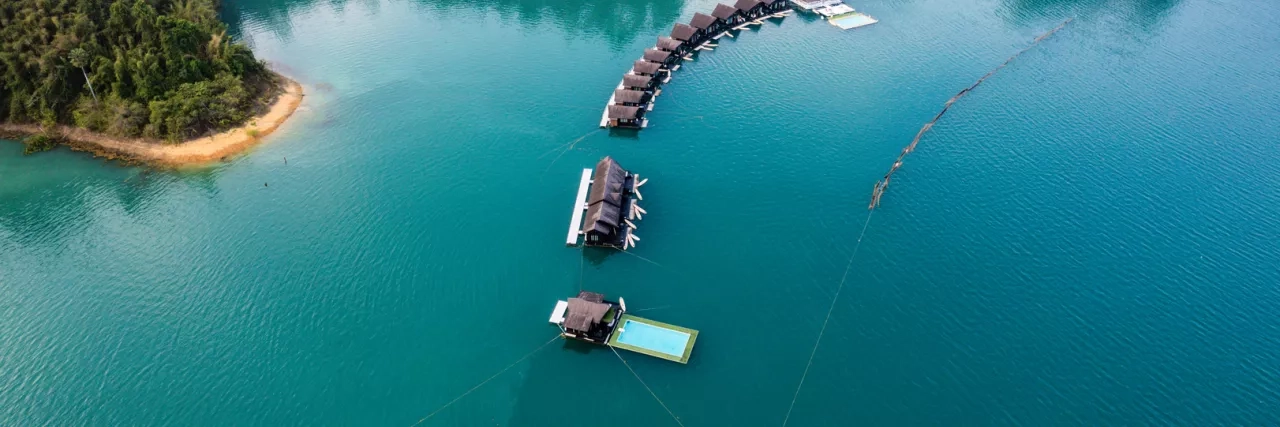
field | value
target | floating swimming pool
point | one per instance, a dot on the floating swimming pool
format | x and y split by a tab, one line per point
852	20
656	339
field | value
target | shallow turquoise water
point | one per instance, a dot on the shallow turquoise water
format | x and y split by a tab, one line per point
1089	238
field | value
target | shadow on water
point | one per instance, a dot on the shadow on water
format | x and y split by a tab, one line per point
596	256
618	22
44	212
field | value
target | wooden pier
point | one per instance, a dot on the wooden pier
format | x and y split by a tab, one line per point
579	206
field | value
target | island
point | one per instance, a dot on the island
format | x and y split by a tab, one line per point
156	81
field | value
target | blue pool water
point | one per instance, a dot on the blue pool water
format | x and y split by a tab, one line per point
853	21
651	337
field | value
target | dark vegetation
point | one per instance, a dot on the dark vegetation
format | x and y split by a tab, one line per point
160	69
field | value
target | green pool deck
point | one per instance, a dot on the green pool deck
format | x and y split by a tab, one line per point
688	346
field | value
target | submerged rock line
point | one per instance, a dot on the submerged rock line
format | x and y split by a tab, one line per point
883	183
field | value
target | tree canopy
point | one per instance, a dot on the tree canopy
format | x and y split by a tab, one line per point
154	68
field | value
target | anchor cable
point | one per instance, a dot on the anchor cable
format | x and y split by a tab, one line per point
482	383
646	386
831	309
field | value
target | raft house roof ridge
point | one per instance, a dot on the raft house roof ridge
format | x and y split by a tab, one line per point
723	11
683	32
702	21
656	55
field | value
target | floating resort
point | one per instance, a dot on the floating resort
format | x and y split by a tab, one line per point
635	94
610	204
590	318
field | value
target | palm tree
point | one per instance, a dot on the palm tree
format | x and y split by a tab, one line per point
80	58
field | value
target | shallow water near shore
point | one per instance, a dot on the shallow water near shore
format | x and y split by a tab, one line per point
1087	239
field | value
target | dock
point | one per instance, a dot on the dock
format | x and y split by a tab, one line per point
654	338
579	206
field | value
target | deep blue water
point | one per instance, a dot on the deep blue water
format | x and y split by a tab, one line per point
1089	238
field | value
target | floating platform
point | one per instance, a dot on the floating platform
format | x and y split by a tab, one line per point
591	318
852	20
653	338
579	206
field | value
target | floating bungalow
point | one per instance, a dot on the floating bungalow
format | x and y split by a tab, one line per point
776	6
707	25
591	318
664	58
685	34
750	10
728	16
655	67
609	201
621	116
648	69
632	98
640	83
676	47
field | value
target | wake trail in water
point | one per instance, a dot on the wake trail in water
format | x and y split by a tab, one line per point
883	183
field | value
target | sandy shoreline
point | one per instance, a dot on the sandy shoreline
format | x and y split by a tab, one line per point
189	153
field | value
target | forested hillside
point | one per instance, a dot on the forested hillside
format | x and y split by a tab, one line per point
153	68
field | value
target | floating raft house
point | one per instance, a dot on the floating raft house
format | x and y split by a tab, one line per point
591	318
607	206
655	66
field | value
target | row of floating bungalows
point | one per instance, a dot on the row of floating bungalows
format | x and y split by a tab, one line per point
639	87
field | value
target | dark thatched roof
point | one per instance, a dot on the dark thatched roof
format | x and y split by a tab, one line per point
591	296
630	96
669	44
645	67
683	32
631	80
623	112
745	5
656	55
582	314
723	12
604	203
702	21
768	2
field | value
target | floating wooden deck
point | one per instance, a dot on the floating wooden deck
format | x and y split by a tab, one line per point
579	206
683	337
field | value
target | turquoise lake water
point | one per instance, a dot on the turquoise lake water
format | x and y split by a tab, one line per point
1089	238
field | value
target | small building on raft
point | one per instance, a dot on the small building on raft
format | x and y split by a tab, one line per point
590	317
687	34
633	98
775	6
638	82
707	25
750	10
621	116
667	60
609	200
676	47
651	70
728	16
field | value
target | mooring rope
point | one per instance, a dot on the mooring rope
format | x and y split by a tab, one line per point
655	263
482	383
883	183
830	310
646	386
